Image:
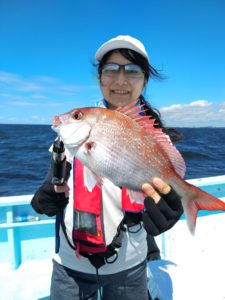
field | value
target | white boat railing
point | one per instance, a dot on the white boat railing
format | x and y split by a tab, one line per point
12	206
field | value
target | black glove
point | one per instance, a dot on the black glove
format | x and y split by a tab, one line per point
153	249
162	216
47	201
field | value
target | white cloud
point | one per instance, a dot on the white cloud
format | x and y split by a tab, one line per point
200	103
20	103
38	120
8	78
38	96
29	87
47	79
17	83
10	81
197	113
12	119
54	104
26	96
12	97
223	105
4	95
45	104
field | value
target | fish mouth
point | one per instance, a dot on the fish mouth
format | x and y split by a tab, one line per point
72	137
56	123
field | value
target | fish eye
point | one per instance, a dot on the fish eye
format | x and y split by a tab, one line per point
77	115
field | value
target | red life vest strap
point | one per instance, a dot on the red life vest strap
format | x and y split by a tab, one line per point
127	205
88	229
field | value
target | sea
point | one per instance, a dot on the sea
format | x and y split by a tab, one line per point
25	158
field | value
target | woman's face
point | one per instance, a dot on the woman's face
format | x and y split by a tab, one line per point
120	89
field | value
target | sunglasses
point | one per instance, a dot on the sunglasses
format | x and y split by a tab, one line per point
130	70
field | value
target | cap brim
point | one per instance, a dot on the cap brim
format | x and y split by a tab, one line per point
117	44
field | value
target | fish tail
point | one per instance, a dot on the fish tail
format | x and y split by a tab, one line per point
197	199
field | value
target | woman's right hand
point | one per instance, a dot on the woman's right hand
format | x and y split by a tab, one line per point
50	199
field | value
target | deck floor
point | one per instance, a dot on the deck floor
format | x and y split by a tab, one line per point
31	281
193	266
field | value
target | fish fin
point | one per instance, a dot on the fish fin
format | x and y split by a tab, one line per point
131	110
135	196
148	124
196	200
165	143
91	179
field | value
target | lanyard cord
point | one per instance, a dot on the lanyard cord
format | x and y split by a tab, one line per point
98	283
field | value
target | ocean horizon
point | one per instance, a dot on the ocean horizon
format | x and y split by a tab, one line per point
25	158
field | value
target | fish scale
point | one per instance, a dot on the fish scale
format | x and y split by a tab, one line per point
105	152
125	154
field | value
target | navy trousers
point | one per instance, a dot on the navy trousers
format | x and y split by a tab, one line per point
126	285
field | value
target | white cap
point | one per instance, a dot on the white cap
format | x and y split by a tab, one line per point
121	41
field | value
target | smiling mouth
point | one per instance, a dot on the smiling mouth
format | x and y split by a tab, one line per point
120	92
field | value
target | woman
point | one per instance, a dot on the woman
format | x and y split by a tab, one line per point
120	270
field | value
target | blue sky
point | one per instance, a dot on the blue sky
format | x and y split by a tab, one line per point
47	50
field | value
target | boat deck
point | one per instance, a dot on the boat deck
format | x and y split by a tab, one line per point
192	267
30	281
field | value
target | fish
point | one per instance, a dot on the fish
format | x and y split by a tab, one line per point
126	147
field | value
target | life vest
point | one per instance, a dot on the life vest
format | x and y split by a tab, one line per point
88	228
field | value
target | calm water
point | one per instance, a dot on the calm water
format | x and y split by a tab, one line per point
25	158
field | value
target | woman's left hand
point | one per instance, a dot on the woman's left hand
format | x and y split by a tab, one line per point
163	207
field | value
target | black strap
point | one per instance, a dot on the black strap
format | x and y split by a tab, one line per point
62	223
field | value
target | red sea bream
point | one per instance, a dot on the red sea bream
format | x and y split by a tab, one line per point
126	148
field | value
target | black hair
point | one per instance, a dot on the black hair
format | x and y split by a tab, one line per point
150	72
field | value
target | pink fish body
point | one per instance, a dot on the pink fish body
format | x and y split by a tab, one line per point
126	148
